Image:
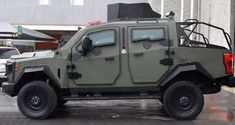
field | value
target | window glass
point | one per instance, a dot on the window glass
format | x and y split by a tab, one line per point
103	38
148	34
77	2
7	53
44	2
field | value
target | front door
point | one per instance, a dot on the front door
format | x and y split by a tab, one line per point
147	49
101	65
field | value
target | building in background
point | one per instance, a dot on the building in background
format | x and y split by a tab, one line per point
58	18
217	12
61	18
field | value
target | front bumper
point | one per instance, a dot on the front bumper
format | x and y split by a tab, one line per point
2	80
8	88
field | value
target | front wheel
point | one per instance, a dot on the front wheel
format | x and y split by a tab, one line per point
183	100
37	100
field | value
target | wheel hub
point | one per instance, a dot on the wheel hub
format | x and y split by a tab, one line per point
184	101
35	100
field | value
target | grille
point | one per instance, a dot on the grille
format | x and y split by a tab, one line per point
9	68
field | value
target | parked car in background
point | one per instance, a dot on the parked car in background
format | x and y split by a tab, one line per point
5	54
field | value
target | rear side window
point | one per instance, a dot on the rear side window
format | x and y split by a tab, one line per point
7	53
157	34
100	38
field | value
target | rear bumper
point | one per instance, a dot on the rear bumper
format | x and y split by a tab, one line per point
8	88
231	82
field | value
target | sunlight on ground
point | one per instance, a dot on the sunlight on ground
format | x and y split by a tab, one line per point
229	89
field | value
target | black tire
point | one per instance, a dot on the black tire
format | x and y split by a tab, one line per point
183	100
37	100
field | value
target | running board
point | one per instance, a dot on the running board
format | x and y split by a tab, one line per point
74	98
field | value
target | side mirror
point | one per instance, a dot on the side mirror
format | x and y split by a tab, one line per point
86	45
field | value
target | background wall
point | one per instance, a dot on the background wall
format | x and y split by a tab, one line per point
216	12
58	12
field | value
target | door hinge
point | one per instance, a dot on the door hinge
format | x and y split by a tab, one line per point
167	61
74	75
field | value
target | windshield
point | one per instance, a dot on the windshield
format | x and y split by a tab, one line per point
7	53
73	40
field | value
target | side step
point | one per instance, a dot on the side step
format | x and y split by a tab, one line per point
74	98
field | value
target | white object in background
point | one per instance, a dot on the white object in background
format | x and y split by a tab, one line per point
182	11
162	8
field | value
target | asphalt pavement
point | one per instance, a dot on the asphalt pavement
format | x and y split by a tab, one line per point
219	109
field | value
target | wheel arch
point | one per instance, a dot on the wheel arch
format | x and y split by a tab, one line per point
193	72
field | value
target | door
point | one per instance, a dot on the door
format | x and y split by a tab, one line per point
147	51
101	65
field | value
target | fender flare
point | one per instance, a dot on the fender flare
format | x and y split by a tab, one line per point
35	69
184	68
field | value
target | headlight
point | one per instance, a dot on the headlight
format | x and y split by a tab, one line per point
17	66
2	68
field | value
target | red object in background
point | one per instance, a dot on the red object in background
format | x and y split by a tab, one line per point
46	45
56	36
228	62
94	22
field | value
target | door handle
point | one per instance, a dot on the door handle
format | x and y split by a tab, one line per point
170	52
138	54
109	58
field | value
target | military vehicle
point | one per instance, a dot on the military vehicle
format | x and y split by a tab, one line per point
124	59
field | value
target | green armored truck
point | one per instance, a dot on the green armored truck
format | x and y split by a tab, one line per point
124	59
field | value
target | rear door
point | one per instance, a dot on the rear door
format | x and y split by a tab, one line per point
147	53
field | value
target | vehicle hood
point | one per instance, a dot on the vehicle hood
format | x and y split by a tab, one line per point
32	54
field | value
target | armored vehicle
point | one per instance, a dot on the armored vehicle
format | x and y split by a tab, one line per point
124	59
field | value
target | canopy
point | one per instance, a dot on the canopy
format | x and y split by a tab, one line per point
8	31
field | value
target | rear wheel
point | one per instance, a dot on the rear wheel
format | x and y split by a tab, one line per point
183	100
37	100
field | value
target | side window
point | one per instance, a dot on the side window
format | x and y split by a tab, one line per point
100	38
156	34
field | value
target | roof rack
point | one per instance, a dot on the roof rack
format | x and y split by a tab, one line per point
195	23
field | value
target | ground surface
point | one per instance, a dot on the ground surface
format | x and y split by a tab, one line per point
218	110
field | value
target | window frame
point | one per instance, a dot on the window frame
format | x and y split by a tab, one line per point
104	44
40	2
154	28
163	42
72	3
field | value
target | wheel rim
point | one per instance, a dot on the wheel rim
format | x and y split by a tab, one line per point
36	100
184	100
